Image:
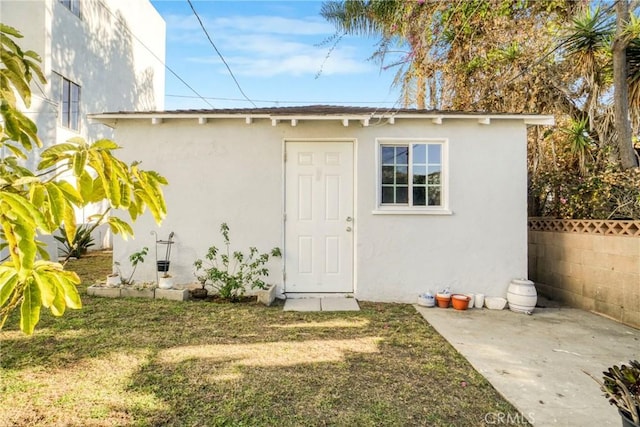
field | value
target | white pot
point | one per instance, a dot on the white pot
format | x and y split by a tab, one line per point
478	300
267	296
113	281
165	282
522	296
472	300
426	301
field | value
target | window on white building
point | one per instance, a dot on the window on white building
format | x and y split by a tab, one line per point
411	175
73	6
70	104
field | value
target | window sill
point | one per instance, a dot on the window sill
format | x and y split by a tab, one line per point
409	211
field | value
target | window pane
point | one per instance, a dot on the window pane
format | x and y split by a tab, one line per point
75	107
419	175
402	155
387	174
419	154
388	155
435	153
64	118
402	195
419	198
402	175
387	195
434	174
434	196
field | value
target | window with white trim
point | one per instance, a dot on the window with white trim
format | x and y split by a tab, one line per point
70	104
73	6
411	174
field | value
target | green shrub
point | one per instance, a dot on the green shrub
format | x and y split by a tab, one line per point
81	243
232	273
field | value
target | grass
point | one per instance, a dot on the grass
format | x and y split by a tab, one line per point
145	362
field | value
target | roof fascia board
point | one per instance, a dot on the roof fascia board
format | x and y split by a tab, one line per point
111	119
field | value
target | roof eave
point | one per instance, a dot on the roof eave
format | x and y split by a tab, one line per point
111	119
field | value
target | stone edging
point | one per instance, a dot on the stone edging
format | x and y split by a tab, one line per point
157	293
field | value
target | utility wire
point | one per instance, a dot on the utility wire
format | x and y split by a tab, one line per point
156	56
273	101
219	54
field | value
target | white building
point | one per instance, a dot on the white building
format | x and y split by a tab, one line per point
380	205
97	55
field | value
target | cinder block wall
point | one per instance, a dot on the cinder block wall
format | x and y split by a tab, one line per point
592	265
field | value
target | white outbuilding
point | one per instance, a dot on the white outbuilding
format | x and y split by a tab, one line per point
375	203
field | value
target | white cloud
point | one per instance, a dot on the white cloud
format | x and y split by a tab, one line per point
294	64
275	25
265	46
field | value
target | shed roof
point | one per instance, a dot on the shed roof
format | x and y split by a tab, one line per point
317	112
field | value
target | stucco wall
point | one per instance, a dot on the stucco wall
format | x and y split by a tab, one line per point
114	52
595	272
228	171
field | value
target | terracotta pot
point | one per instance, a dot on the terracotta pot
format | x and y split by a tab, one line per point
460	302
443	301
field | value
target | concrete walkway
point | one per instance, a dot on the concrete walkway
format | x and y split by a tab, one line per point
538	362
321	304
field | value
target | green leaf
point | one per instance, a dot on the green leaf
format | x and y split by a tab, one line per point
27	248
4	28
11	238
69	280
30	308
56	203
105	144
70	193
24	180
36	195
16	151
85	185
113	185
69	219
98	193
58	305
79	162
47	288
22	207
8	280
19	83
119	226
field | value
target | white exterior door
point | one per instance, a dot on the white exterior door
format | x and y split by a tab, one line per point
319	217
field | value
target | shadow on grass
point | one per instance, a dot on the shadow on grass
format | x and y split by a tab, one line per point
194	363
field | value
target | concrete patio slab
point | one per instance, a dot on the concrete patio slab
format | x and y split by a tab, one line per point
321	304
538	362
302	304
339	304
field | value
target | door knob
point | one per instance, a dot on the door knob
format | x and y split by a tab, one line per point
348	228
349	219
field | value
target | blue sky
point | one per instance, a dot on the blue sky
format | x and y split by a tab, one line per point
276	52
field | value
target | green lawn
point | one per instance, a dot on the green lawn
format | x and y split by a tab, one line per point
151	363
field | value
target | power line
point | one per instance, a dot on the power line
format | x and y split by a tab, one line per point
219	54
156	56
274	101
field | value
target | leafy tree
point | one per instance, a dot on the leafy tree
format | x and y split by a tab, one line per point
571	59
40	202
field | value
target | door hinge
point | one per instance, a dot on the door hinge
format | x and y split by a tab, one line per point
284	156
284	217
